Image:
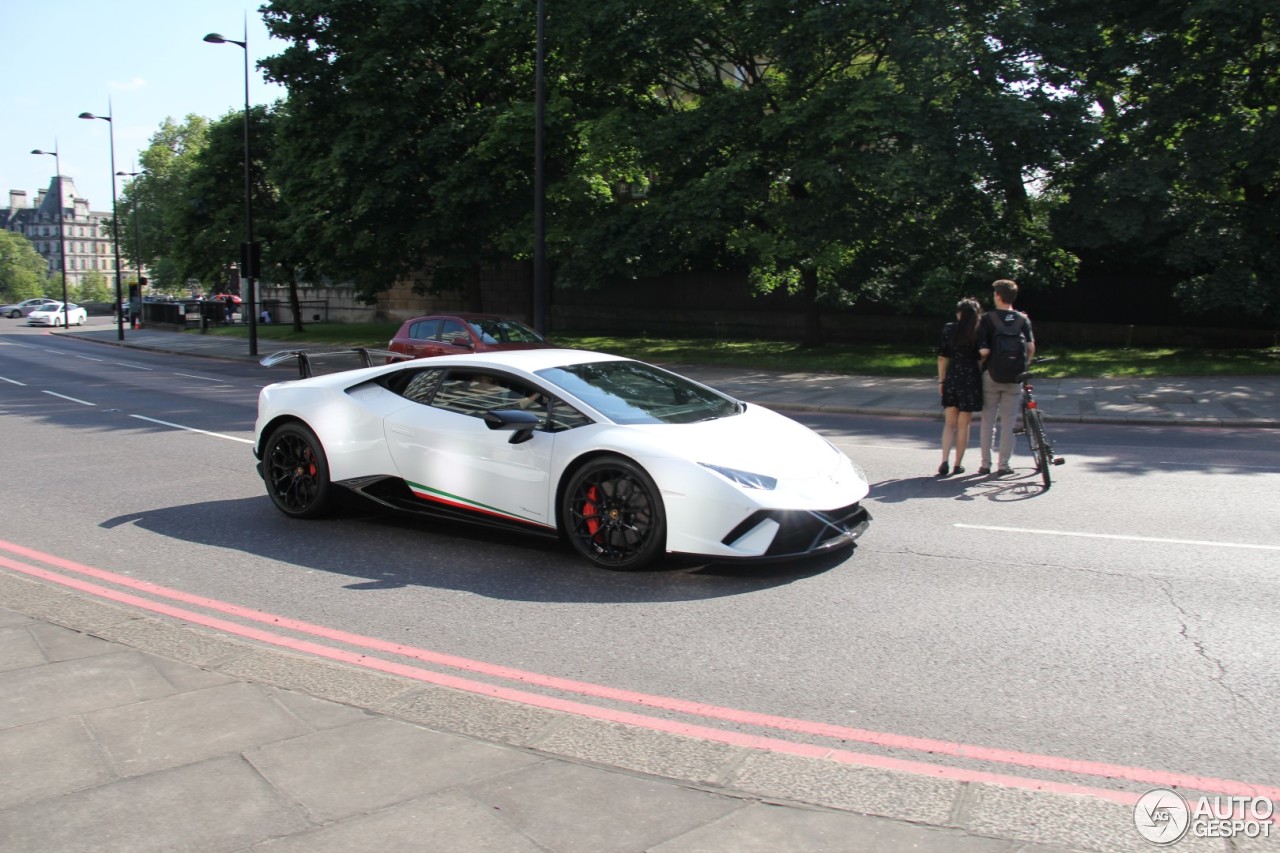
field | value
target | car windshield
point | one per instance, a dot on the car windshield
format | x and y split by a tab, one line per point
500	331
631	392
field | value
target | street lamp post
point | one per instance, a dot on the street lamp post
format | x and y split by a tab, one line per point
248	254
115	218
137	235
539	176
62	240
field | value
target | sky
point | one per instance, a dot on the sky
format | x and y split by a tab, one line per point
141	61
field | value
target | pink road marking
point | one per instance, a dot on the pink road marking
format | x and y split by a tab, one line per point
905	742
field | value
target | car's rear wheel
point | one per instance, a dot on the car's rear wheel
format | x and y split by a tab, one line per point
296	472
612	513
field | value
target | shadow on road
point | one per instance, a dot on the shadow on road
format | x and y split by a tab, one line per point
381	549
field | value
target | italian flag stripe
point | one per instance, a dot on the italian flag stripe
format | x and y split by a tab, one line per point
435	495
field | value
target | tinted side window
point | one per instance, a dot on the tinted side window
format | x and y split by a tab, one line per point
424	331
415	385
471	392
453	329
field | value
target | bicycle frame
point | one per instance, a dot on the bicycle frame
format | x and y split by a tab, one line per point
1033	427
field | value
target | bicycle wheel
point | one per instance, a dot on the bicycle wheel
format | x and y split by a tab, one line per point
1040	449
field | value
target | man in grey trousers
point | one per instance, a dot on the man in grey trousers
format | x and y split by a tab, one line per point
1000	400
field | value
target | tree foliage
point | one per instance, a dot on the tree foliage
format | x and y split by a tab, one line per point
23	272
852	151
94	287
156	201
1184	175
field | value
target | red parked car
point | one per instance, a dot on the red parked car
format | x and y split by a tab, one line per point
451	334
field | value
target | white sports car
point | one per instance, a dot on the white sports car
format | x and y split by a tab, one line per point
625	460
52	314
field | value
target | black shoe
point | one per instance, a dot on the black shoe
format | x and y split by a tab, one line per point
984	470
1004	471
943	470
958	470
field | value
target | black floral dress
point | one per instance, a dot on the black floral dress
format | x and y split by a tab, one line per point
962	385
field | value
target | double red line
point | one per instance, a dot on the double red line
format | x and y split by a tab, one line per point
1099	770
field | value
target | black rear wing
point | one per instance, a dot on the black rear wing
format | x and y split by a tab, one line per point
305	358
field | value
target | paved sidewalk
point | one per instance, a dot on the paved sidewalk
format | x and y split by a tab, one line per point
124	732
121	731
1235	401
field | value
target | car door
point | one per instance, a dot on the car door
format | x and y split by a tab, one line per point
448	455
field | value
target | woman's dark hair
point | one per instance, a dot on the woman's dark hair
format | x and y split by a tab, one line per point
969	313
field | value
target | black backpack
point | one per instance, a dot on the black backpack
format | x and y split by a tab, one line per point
1008	359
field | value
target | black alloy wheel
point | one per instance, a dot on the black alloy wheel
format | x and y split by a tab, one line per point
612	513
296	472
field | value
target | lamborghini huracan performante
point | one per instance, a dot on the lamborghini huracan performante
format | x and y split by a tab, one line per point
625	460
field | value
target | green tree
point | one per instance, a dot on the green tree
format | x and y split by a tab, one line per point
94	287
1184	175
209	227
399	148
23	273
843	151
158	198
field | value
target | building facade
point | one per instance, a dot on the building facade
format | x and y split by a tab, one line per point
87	233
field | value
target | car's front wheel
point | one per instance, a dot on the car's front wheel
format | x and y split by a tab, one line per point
612	513
296	472
13	315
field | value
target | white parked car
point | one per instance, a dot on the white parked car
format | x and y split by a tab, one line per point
25	307
52	314
625	460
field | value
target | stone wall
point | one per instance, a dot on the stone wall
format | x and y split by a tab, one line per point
336	304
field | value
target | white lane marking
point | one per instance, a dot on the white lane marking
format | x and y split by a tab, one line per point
87	358
13	381
65	397
1120	537
205	378
193	429
134	366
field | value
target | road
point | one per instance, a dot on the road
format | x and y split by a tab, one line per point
1120	624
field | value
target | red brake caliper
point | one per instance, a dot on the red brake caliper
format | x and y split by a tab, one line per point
589	512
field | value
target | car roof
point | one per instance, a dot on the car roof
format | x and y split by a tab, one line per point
466	316
527	361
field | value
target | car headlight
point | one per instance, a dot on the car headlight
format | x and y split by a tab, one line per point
746	479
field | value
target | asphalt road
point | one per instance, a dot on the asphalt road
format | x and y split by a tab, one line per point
1125	617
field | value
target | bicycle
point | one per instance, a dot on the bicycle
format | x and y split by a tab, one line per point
1033	428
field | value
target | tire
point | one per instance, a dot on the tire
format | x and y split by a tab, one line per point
296	472
612	513
13	315
1040	448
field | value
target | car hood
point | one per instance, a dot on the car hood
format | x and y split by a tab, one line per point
757	440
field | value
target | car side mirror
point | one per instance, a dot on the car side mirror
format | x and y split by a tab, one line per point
463	341
518	421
